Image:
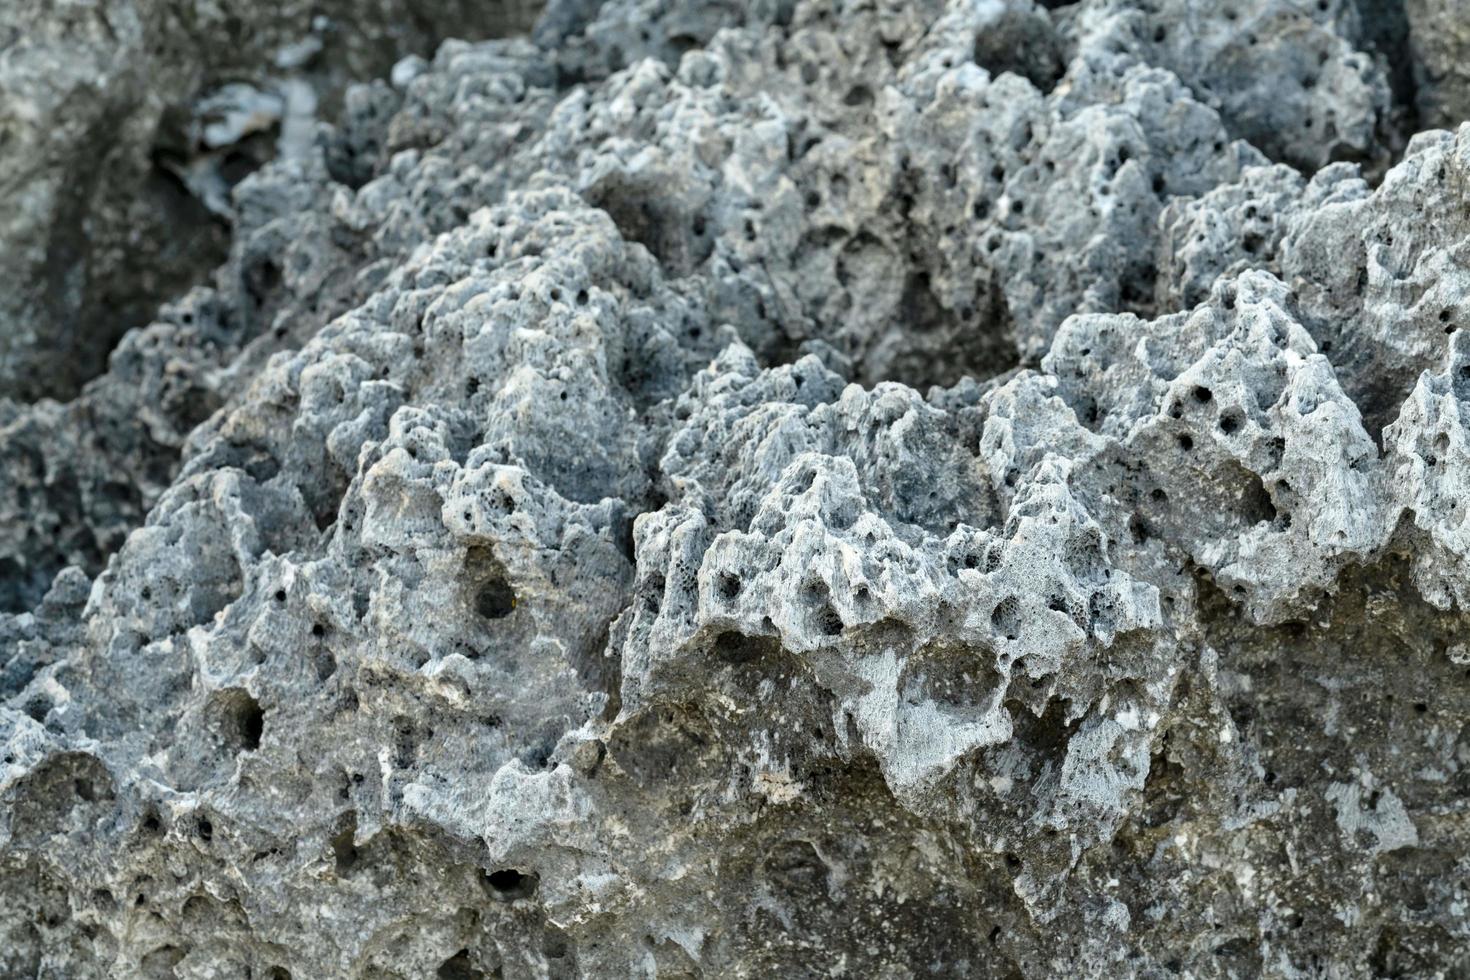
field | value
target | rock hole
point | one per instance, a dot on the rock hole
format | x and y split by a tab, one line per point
511	885
242	719
1045	735
735	648
729	586
1164	791
345	854
643	214
825	618
1256	502
495	599
459	967
1006	617
405	744
932	344
1025	44
828	621
492	596
37	708
554	945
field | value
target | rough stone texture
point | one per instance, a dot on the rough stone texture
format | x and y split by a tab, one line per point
1440	38
778	489
115	114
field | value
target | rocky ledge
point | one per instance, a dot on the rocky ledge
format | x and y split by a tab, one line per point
966	488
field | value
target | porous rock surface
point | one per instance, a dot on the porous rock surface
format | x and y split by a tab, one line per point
780	489
123	125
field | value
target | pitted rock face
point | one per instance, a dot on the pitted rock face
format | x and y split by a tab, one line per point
774	489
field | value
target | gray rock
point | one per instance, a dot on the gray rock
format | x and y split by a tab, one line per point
776	489
1438	38
116	116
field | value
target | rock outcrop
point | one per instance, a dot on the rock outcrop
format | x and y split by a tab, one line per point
773	489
